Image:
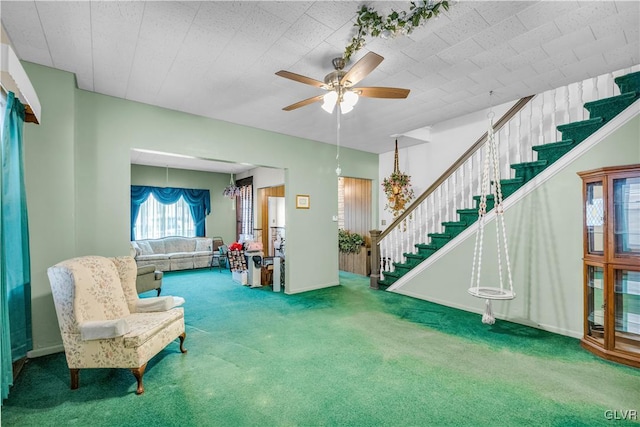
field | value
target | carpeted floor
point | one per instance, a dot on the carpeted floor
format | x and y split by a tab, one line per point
345	356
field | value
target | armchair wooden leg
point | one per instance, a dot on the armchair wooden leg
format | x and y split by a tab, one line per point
159	289
75	378
138	373
182	338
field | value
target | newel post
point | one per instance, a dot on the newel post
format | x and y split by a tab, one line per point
375	259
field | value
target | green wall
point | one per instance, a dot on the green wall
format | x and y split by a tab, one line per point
222	220
544	232
78	177
50	180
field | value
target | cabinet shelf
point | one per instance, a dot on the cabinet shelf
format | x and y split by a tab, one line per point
611	223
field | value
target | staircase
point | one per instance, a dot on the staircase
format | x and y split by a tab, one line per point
402	246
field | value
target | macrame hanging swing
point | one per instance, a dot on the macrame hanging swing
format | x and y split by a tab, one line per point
491	171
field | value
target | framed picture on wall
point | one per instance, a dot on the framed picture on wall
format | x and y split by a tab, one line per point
302	201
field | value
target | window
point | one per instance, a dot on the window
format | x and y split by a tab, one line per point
244	209
157	219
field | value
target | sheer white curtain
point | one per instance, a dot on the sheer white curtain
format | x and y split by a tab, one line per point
246	210
157	220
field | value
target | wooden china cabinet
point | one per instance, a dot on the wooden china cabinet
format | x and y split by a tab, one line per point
611	223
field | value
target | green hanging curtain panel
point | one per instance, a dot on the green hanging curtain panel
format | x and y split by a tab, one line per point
15	276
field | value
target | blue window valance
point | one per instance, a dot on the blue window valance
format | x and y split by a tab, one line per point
198	200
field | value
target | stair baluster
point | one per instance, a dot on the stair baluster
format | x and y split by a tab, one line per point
399	247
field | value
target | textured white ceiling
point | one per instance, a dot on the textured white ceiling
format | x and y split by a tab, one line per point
218	59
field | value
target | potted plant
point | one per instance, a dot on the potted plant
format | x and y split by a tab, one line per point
349	242
351	256
397	188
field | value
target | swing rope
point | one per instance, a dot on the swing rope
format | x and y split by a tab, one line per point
490	293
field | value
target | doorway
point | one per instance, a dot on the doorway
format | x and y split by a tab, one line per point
354	215
272	226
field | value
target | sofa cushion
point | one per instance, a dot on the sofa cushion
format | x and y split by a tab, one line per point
145	247
157	246
136	249
144	326
179	244
206	254
153	257
204	245
101	297
178	255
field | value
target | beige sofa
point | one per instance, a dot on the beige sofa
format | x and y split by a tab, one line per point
173	253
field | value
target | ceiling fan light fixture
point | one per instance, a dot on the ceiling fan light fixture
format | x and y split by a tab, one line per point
331	97
345	108
340	85
349	98
330	101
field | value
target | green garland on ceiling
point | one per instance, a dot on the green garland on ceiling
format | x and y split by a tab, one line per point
371	23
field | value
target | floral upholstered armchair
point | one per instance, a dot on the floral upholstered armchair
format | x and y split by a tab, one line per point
103	322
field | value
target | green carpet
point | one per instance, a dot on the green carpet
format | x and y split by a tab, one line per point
345	356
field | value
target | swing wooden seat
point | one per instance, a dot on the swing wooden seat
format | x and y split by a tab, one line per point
492	293
491	172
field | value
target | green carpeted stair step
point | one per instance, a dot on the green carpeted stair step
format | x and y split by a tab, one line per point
528	170
391	276
415	259
573	133
386	281
579	131
490	202
453	228
402	268
608	108
629	82
509	186
439	239
426	249
468	216
553	151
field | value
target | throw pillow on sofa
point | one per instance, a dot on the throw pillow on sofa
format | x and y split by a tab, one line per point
145	248
136	248
203	245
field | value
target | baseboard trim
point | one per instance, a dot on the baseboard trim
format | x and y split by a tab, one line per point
475	309
45	351
311	288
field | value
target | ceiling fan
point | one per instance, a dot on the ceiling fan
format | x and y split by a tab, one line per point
340	83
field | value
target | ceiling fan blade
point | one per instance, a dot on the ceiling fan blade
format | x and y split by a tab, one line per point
304	103
300	78
382	92
361	69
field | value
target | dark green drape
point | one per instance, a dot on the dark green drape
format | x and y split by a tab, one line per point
15	276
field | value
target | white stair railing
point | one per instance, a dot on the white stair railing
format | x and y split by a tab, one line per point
532	121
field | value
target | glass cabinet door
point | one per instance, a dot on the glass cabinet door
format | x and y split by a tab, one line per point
626	210
595	303
594	216
627	309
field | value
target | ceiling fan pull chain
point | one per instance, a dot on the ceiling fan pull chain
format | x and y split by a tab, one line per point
338	169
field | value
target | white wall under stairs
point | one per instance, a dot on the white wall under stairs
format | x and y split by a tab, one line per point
544	229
